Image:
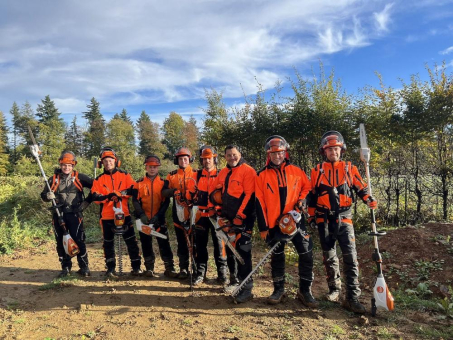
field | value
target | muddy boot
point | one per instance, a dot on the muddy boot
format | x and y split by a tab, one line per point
136	272
307	298
354	305
149	271
84	271
183	274
65	271
111	274
278	294
334	294
170	270
197	280
245	294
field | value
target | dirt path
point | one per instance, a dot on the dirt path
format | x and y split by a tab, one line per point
140	308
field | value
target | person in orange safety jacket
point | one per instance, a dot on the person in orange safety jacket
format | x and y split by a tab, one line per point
237	183
182	184
150	207
333	183
112	189
206	178
281	188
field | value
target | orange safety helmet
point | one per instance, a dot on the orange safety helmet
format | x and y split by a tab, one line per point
276	143
183	151
152	160
107	151
67	157
207	151
332	138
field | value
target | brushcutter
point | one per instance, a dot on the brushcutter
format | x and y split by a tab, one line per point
70	246
382	298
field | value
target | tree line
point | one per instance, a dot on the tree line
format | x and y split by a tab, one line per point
409	132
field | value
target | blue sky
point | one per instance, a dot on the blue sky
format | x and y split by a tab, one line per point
160	56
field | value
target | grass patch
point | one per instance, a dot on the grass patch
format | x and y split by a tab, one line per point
427	332
68	281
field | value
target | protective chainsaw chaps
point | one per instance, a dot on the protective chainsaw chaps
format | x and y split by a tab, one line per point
382	298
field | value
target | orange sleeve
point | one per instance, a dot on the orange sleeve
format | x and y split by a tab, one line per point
306	185
249	189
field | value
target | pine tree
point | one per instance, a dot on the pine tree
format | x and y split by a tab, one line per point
95	134
148	134
124	116
47	111
74	138
3	145
16	136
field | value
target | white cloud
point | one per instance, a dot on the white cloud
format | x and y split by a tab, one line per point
447	50
153	52
382	19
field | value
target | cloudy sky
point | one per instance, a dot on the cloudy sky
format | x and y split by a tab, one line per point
160	56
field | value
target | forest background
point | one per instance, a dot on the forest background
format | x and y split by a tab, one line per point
409	132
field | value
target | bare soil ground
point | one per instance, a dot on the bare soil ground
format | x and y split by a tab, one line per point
32	307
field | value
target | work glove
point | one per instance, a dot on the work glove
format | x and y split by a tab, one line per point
301	205
114	196
265	236
312	222
144	219
154	221
371	202
50	195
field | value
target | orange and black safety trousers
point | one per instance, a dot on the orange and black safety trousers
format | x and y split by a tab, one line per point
108	231
74	225
334	222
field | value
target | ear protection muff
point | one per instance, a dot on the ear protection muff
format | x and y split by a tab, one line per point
183	152
332	138
212	152
108	152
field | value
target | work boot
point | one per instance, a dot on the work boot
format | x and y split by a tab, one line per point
244	295
197	280
307	298
111	274
64	272
183	274
170	270
85	272
136	272
149	272
354	305
233	279
278	294
333	295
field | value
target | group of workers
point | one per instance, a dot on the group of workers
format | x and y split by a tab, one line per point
226	203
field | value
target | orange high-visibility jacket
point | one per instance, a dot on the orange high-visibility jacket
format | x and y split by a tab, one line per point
149	196
206	181
332	185
105	184
238	191
277	191
183	180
